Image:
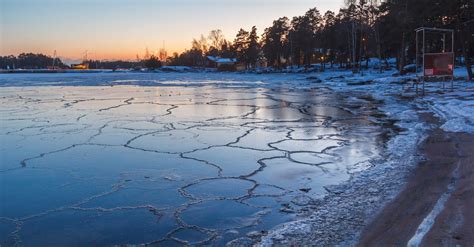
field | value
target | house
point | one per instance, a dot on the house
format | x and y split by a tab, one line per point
80	66
262	62
222	64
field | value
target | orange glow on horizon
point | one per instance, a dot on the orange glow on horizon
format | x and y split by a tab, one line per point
111	53
123	29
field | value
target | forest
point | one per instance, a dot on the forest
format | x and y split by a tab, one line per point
30	61
361	30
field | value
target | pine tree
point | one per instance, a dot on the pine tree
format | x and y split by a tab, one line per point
275	42
328	37
253	48
241	45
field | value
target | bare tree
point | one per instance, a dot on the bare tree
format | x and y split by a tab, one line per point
216	38
163	54
200	44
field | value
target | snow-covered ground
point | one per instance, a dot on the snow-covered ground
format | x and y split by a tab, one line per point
341	215
455	108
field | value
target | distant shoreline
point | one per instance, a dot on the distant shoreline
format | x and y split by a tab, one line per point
49	71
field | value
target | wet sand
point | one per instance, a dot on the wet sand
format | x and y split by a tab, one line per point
439	196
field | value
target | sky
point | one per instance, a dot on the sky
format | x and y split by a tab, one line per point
121	29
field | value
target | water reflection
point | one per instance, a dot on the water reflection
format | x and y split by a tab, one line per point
171	165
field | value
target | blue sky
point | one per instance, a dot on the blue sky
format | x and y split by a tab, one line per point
113	29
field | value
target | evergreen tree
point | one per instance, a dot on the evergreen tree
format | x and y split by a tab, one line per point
241	45
302	36
253	49
362	29
30	61
275	42
153	62
227	51
329	36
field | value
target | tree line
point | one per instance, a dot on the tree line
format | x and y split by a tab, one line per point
153	62
30	61
361	30
41	61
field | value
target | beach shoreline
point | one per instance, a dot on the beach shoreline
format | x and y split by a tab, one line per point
433	208
381	198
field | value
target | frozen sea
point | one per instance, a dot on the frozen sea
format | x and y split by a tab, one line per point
173	158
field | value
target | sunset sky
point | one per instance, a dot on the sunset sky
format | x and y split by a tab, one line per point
120	29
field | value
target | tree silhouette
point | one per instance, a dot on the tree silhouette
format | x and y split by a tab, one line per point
275	42
153	62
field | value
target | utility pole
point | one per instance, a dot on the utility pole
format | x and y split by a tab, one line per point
96	60
291	48
353	46
54	59
147	54
163	54
85	63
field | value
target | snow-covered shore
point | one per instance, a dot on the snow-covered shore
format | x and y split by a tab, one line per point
341	216
455	108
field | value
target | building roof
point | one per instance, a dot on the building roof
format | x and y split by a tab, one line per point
222	60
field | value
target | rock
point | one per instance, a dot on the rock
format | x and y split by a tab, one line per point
305	190
334	189
256	234
314	79
360	83
287	209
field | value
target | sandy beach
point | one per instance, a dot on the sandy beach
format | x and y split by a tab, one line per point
434	208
